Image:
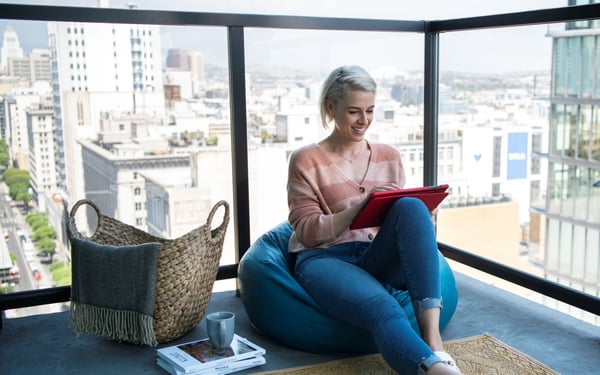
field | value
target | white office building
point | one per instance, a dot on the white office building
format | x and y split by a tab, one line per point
42	166
99	68
33	67
15	106
10	47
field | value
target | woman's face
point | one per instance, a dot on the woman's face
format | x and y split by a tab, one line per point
353	114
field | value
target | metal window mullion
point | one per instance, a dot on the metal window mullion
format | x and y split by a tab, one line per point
239	141
430	108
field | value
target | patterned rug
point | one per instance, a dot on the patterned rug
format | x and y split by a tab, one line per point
477	355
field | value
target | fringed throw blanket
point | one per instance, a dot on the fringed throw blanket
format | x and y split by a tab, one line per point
113	290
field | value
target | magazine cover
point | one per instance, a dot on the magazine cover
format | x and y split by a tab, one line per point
200	354
222	369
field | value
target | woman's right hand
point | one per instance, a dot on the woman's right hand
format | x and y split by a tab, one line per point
390	186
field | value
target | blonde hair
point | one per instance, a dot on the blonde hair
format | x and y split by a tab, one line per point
342	79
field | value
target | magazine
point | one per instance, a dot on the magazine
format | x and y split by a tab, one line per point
225	368
200	354
379	203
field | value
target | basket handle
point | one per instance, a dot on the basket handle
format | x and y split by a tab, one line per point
214	210
72	227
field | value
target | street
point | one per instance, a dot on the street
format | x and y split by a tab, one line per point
29	261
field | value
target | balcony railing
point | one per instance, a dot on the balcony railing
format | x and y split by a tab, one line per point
236	24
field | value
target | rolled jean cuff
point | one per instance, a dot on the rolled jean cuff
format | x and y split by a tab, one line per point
427	362
427	303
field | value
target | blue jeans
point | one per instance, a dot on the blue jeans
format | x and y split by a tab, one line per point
347	281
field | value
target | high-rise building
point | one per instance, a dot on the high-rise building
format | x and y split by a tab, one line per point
114	179
33	67
10	47
187	61
177	59
14	120
572	207
41	143
99	68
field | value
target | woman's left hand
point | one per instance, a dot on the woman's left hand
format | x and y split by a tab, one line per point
434	213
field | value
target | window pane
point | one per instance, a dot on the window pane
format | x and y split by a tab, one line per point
286	69
522	178
573	66
559	67
146	138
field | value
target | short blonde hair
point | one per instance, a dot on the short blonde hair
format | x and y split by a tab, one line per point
342	79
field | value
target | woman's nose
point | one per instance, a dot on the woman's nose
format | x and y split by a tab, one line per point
364	118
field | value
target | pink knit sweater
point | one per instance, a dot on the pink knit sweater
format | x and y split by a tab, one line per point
317	189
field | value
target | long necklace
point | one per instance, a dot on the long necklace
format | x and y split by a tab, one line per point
353	159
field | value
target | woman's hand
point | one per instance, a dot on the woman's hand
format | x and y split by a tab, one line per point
434	216
386	187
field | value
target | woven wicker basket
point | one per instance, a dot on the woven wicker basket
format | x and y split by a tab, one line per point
187	267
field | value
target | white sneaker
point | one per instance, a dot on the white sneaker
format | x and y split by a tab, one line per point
448	360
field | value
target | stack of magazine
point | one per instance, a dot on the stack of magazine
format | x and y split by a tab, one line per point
200	358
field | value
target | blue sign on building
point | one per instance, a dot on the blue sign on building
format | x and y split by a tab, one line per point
516	166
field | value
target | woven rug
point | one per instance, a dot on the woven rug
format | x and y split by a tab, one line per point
477	355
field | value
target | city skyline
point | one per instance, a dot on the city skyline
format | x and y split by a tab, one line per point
505	50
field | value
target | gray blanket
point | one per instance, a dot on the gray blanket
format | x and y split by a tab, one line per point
113	290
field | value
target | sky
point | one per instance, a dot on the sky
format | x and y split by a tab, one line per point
497	50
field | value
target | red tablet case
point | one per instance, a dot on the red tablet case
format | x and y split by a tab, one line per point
373	213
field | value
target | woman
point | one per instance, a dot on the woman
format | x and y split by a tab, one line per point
345	270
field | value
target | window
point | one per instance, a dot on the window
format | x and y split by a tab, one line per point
497	145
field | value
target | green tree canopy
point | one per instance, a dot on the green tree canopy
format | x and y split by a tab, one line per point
14	175
43	232
24	196
46	246
35	216
61	275
37	221
17	188
4	159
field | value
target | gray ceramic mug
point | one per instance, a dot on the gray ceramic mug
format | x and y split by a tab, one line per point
220	327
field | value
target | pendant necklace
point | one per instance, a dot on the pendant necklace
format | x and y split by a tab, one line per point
353	159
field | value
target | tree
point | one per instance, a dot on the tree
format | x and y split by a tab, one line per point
61	273
13	176
43	232
17	188
47	246
6	289
18	184
213	140
35	216
62	276
24	197
36	221
4	159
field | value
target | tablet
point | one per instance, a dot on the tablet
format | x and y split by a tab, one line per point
379	203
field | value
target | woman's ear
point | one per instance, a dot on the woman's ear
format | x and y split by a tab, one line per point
329	107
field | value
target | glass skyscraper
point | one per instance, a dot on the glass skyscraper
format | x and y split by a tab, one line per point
572	208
